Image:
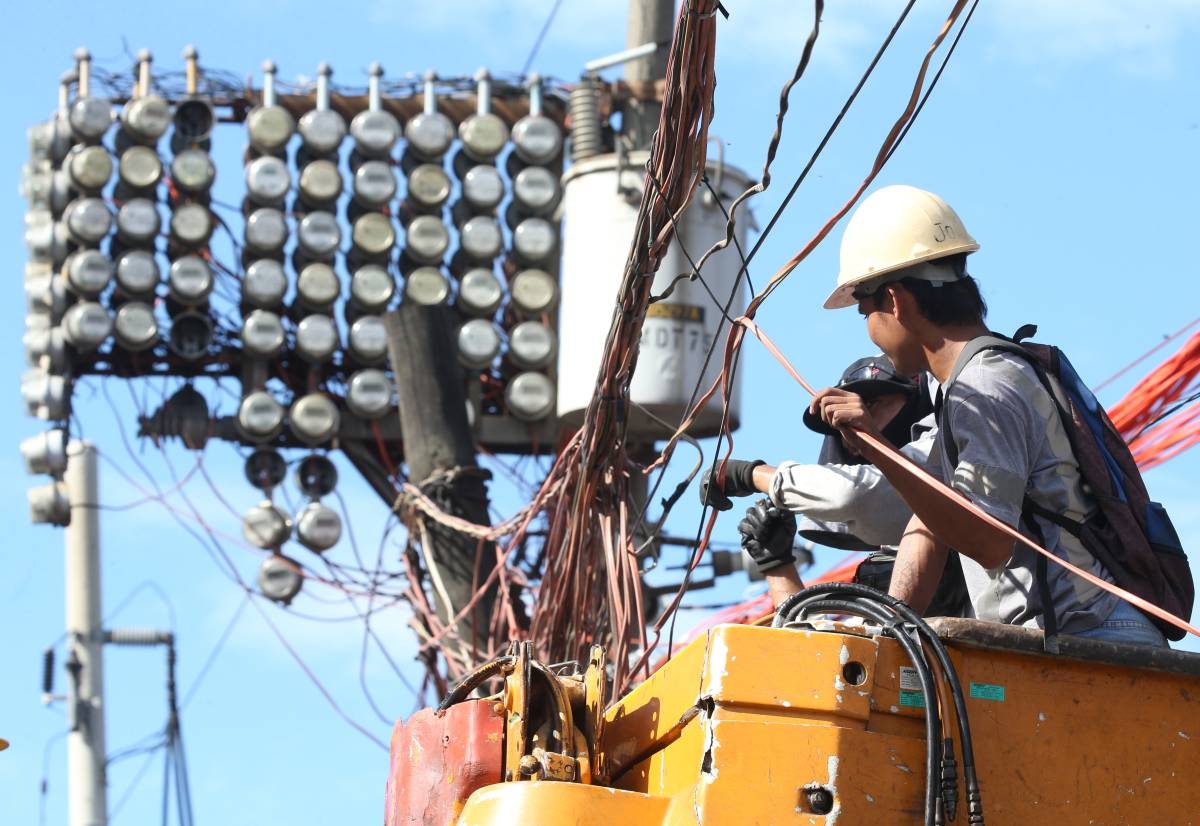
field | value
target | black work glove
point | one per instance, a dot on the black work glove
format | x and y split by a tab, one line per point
767	534
739	481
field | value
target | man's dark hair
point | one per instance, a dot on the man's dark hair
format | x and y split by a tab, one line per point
951	303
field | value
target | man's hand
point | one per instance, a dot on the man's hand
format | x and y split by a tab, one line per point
767	534
844	410
739	481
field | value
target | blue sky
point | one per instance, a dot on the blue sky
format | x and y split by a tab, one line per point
1064	134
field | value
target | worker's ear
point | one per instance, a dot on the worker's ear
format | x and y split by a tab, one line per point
900	303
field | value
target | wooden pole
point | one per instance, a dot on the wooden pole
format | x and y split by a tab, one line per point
440	452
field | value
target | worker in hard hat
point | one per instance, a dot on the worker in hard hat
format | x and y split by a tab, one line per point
842	501
904	265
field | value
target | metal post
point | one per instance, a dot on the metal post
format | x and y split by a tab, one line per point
650	21
87	803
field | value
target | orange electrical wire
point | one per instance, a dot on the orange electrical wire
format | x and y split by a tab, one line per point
1152	417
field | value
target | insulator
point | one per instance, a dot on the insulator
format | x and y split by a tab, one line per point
536	190
46	396
587	135
138	636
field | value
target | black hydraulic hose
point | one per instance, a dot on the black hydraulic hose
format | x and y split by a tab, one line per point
892	625
970	778
795	605
473	680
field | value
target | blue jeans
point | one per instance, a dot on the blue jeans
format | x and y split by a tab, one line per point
1128	625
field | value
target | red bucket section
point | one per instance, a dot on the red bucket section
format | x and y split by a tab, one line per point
439	759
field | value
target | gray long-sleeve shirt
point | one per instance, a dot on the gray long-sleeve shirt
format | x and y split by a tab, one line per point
852	500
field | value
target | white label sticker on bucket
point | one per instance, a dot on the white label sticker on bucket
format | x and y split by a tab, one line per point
909	681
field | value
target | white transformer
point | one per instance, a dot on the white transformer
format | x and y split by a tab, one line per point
601	196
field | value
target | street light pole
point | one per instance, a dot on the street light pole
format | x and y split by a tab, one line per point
87	803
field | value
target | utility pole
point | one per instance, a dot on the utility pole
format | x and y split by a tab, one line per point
440	452
650	21
87	803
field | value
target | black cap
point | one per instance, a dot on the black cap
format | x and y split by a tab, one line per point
868	377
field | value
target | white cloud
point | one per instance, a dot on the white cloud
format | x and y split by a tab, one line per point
1139	38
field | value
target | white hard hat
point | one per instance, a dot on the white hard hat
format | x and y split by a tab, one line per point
893	228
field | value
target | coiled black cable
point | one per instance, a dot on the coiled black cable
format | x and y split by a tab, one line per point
892	625
893	615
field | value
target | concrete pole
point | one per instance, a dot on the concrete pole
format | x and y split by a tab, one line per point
650	21
87	800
